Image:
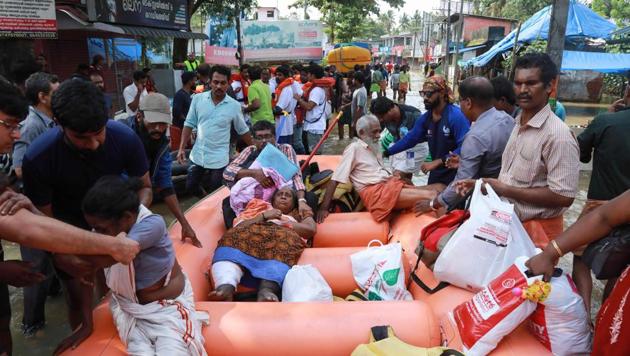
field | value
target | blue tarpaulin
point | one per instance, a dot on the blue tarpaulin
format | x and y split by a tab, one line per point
602	62
581	22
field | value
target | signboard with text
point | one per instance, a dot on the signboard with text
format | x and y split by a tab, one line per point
28	19
265	41
169	14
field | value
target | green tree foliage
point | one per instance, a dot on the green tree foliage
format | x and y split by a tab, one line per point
404	24
618	10
346	20
512	9
388	21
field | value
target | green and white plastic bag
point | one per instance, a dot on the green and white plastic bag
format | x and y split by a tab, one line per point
379	272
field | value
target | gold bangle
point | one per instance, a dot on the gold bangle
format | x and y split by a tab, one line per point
555	245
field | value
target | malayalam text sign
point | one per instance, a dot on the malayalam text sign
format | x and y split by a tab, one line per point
28	19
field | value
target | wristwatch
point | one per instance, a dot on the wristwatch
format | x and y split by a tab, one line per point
303	200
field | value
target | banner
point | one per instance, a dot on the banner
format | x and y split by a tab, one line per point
28	19
265	41
169	14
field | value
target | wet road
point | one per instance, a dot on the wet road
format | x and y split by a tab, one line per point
45	341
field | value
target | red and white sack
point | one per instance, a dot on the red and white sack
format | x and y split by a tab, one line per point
495	311
561	322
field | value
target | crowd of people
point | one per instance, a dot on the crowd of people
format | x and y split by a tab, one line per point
79	176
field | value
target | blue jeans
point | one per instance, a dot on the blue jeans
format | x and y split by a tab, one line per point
202	181
313	139
298	145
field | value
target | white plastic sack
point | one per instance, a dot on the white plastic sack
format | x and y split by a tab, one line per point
409	161
560	322
379	272
485	245
495	311
305	284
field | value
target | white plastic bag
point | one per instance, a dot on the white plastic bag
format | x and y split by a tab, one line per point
495	311
560	322
379	272
485	245
305	284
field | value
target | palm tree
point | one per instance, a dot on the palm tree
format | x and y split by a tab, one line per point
405	23
416	20
388	20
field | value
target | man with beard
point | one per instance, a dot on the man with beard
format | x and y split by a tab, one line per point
150	123
97	79
443	126
484	144
399	120
212	114
540	167
63	164
362	165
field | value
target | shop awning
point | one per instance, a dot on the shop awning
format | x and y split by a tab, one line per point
159	32
602	62
71	18
467	49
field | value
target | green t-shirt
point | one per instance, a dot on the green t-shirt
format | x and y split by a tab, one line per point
259	90
404	78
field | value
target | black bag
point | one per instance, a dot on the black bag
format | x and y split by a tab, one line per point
609	256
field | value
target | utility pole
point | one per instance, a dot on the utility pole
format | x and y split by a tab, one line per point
460	31
555	42
448	37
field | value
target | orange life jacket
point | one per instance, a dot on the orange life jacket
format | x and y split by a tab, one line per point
285	83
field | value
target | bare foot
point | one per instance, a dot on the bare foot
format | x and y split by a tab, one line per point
223	293
267	295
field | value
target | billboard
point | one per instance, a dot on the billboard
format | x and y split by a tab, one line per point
169	14
265	41
28	19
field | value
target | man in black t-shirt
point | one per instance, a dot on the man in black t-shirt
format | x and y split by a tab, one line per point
61	165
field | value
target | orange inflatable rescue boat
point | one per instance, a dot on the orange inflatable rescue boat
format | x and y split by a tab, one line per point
314	328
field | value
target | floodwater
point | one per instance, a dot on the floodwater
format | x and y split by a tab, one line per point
45	341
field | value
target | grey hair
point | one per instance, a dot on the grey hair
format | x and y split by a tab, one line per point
39	83
364	122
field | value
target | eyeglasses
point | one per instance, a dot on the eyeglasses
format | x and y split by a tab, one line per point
10	127
427	93
268	137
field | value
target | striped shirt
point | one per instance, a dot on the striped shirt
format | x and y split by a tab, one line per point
247	157
541	153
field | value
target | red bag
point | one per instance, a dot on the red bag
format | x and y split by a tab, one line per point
442	227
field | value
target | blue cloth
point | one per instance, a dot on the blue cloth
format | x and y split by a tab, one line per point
156	257
581	22
560	111
56	173
160	166
181	105
271	270
602	62
444	136
213	124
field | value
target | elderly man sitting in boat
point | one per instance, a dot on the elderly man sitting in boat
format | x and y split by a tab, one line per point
362	165
152	299
265	242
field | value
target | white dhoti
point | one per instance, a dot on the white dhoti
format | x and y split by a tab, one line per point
165	327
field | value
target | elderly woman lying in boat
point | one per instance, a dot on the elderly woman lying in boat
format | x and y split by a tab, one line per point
266	240
152	299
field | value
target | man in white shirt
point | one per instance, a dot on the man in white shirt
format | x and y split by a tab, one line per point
317	108
284	100
134	92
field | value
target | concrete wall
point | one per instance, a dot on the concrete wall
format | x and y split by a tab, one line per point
472	23
583	85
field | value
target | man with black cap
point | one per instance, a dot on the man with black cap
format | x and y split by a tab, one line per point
150	123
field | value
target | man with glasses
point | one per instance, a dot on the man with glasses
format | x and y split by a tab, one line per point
540	165
484	144
264	134
443	126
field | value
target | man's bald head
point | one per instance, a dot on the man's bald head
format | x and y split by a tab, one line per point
477	89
